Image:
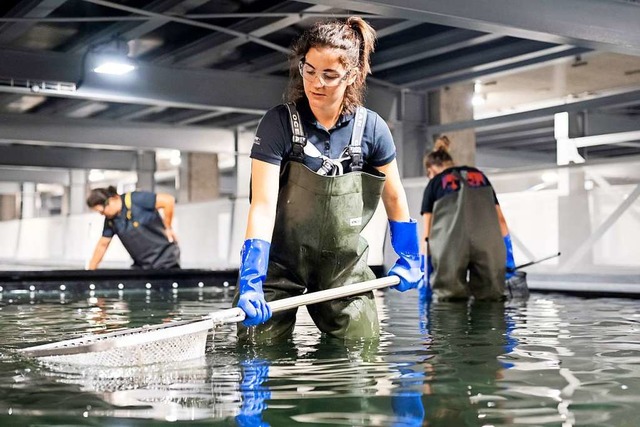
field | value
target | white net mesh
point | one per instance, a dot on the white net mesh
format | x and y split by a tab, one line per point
140	347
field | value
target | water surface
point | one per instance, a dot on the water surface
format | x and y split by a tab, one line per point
553	361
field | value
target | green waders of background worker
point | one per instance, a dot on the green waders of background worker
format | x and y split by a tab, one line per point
469	245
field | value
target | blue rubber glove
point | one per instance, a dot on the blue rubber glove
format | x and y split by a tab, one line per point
427	268
404	239
510	263
253	271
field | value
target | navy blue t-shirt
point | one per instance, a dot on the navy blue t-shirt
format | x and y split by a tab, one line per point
272	143
143	210
446	183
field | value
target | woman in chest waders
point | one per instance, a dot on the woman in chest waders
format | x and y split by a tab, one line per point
320	164
469	244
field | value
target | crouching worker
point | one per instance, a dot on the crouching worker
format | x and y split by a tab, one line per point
134	217
469	242
320	164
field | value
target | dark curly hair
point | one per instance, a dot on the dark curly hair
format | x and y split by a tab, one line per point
99	196
354	37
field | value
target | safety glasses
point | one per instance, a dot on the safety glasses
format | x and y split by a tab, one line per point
328	79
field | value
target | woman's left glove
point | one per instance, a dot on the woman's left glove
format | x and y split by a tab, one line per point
404	240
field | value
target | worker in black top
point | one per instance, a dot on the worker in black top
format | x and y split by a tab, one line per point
134	217
468	238
320	164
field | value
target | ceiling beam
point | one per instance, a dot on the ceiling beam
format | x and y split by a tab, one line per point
92	133
147	85
133	30
595	24
617	98
27	9
191	22
439	44
499	67
212	49
208	90
481	57
66	158
41	176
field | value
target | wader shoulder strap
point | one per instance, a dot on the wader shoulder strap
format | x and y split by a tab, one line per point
461	176
355	148
329	166
127	203
299	139
299	143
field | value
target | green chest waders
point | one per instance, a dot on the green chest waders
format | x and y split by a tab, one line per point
317	245
147	243
465	241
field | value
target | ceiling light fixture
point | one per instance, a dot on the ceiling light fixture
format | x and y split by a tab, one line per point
111	57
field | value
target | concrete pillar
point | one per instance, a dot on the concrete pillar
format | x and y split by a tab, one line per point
8	207
74	199
146	167
409	133
244	141
28	200
183	180
453	104
200	177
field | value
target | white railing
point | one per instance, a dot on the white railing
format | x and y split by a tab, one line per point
210	236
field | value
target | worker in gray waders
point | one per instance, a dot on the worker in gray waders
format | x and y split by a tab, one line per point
134	217
320	164
469	244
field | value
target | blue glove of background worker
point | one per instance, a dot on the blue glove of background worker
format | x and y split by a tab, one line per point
427	268
511	263
404	240
253	271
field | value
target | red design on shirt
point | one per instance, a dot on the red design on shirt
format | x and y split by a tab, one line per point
449	182
475	179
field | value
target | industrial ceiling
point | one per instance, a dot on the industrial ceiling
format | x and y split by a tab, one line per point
207	67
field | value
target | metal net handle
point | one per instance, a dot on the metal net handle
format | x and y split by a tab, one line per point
237	315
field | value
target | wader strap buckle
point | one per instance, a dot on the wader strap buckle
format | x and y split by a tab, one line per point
299	139
327	166
356	158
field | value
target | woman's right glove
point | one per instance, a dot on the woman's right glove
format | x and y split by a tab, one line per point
253	271
404	240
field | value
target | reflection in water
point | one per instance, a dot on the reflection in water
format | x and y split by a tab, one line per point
106	314
467	339
556	361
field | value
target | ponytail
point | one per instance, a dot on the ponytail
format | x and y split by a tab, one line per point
440	154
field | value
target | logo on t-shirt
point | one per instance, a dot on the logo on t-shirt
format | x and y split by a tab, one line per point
450	183
257	140
475	179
